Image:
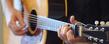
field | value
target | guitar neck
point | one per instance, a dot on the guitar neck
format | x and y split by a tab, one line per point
50	24
45	23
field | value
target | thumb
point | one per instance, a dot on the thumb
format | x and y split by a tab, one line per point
73	20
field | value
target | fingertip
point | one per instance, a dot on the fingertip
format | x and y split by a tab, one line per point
58	31
66	25
70	31
23	24
72	17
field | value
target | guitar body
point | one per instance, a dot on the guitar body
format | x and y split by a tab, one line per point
56	9
41	9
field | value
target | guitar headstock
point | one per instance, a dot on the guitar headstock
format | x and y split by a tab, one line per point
98	33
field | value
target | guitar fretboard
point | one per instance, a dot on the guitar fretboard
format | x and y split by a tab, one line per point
50	24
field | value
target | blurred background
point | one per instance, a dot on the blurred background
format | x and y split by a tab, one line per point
1	29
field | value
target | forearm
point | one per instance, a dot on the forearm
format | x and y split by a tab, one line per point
14	5
10	5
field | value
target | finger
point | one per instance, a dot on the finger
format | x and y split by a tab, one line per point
72	20
71	33
59	30
59	33
13	25
70	36
64	30
21	21
16	30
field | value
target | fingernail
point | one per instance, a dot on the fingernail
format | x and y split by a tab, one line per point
72	16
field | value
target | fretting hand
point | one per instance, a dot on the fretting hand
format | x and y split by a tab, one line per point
66	34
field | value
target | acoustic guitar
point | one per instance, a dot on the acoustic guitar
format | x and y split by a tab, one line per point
98	34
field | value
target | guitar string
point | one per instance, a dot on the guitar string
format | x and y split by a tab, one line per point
33	18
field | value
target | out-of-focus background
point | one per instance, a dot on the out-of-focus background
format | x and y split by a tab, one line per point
1	29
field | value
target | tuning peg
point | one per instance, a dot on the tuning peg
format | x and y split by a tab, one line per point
96	28
90	37
101	40
102	29
102	23
107	23
96	23
90	28
95	39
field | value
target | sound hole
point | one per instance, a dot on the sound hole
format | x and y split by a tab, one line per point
32	26
33	20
